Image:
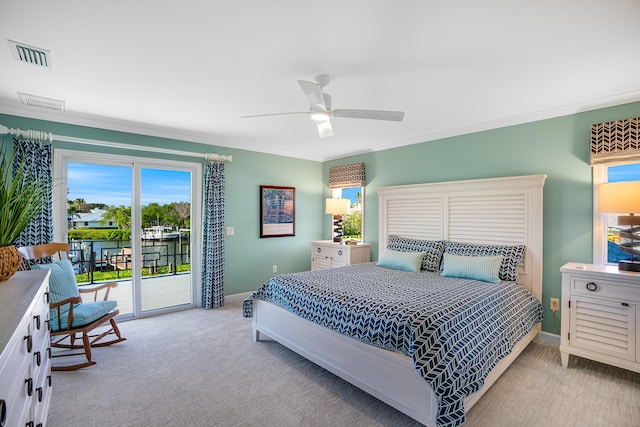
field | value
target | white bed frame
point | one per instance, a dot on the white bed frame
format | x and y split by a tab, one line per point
498	211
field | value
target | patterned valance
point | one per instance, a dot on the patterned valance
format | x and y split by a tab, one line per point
344	176
615	142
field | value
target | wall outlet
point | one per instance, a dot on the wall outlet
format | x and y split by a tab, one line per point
554	304
275	268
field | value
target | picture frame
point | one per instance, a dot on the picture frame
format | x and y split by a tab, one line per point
277	211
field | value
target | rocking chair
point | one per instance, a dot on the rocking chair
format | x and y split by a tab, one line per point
70	318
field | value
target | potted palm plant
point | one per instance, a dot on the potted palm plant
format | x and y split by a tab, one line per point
21	199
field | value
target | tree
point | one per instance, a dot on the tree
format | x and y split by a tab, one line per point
352	224
121	215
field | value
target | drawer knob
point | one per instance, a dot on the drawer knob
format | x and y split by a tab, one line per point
319	250
593	287
339	252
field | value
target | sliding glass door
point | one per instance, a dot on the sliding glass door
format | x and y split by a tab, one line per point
165	238
135	221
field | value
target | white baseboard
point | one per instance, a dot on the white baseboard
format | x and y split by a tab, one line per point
241	297
550	338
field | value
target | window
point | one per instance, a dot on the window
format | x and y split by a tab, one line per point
606	230
353	222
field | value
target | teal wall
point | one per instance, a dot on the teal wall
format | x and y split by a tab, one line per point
249	259
557	147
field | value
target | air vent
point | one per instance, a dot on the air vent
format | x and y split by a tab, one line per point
40	102
30	54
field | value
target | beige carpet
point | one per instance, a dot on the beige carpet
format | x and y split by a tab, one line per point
200	368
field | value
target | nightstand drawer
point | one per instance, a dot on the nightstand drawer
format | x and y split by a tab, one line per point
604	288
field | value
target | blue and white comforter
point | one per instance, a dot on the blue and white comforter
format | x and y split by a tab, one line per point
455	330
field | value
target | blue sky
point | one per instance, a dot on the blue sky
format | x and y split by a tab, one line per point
624	173
112	184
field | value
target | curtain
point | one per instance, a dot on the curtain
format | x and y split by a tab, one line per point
38	164
346	176
615	142
213	236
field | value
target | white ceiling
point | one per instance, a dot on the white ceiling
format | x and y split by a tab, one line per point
190	69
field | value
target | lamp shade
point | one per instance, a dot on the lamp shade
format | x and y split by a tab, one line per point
338	206
619	197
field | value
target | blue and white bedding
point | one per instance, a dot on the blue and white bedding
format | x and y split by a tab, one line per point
455	330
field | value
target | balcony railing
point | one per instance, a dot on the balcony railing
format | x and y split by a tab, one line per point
158	257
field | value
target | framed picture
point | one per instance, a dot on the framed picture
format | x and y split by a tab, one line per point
277	211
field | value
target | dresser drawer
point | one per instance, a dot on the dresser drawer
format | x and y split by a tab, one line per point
604	288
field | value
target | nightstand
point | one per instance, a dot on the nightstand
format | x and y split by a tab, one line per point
600	315
327	254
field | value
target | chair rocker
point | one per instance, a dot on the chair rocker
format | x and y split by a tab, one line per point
70	320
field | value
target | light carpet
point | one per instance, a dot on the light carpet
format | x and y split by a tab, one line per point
201	368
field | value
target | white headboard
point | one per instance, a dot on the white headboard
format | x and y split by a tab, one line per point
496	211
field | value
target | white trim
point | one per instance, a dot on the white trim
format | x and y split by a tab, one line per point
599	220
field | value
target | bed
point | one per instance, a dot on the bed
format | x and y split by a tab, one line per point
396	356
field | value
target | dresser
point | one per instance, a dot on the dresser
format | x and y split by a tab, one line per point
328	254
25	354
600	315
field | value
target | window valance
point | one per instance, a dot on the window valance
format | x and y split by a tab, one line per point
352	175
615	142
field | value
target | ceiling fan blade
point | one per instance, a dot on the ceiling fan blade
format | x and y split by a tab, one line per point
274	114
313	92
395	116
324	128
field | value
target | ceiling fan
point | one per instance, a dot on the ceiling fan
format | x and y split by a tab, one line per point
320	108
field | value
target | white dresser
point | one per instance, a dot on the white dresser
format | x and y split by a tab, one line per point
600	315
327	254
25	353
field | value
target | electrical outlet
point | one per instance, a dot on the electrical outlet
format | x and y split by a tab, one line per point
554	304
275	268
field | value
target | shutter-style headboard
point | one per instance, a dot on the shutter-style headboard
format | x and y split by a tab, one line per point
496	211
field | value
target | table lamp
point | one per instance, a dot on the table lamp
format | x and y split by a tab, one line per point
337	208
624	197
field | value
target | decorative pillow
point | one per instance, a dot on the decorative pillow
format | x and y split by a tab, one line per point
484	268
62	282
512	255
406	261
433	249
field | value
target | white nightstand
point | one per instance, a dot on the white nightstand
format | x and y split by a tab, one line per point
600	315
327	254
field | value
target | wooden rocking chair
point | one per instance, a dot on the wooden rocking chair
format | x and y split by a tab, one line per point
70	318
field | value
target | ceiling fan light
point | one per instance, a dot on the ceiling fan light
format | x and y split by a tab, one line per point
320	116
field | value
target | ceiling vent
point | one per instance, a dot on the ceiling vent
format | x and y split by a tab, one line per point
30	54
40	102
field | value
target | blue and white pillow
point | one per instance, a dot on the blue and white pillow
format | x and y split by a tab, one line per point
433	249
512	254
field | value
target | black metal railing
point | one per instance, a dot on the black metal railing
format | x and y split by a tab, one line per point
90	256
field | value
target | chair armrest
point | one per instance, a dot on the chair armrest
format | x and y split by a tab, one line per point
95	288
71	301
56	306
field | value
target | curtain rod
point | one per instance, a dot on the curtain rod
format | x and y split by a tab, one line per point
48	136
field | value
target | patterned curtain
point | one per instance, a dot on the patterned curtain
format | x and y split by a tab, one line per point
353	175
213	236
38	164
615	142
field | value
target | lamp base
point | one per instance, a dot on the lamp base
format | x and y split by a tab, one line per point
627	265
